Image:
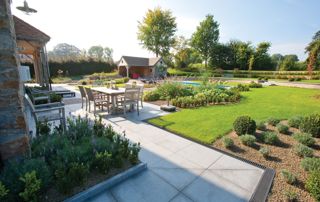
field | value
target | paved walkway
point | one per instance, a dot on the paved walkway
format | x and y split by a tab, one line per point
178	169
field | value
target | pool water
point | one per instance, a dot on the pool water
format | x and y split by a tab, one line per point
193	83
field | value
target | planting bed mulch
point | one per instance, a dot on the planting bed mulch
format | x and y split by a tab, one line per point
52	195
281	157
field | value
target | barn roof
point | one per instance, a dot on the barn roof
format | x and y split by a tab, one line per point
25	31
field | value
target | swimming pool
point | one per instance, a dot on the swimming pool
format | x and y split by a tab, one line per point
194	83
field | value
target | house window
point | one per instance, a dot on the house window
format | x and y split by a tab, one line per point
150	70
160	62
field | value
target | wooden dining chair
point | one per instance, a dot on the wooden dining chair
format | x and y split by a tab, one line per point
97	100
131	98
83	96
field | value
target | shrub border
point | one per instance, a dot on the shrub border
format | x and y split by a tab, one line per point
265	182
107	184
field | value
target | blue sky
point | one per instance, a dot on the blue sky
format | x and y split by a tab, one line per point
288	24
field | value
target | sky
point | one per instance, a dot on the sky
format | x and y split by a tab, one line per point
288	24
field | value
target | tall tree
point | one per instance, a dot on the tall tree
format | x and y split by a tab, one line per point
64	51
313	50
206	37
100	53
289	62
262	59
156	31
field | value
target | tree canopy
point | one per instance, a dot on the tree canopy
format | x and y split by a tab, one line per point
156	31
100	53
206	37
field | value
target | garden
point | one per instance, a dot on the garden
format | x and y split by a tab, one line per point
276	127
291	147
63	163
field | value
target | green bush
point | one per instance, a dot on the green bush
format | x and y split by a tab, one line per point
264	151
273	121
291	195
313	184
295	121
174	89
303	151
311	164
32	186
65	158
261	126
241	87
270	138
69	176
227	142
255	85
282	128
244	125
151	96
3	191
304	138
103	162
288	177
311	124
41	168
206	97
134	150
248	140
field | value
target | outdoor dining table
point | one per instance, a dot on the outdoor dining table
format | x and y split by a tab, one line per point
113	93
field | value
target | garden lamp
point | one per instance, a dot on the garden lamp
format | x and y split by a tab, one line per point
25	8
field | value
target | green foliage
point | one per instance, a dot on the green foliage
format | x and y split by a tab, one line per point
75	68
270	138
291	195
255	85
206	37
227	142
311	124
244	125
311	164
248	140
264	151
313	184
32	186
156	31
103	162
3	191
262	126
303	150
42	171
304	138
134	153
242	87
273	121
99	53
151	96
288	177
69	176
282	128
289	62
170	90
43	128
206	97
295	121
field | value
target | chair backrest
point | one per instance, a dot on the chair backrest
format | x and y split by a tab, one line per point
82	91
89	93
132	94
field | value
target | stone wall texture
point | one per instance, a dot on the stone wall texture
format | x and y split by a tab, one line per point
13	129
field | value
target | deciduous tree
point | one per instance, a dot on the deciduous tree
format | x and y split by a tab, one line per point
156	31
206	37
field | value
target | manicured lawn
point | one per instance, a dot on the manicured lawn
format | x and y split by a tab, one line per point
206	124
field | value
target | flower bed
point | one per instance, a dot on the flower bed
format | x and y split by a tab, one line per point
294	156
61	164
187	96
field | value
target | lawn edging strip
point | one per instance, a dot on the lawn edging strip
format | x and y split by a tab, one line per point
107	184
263	188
